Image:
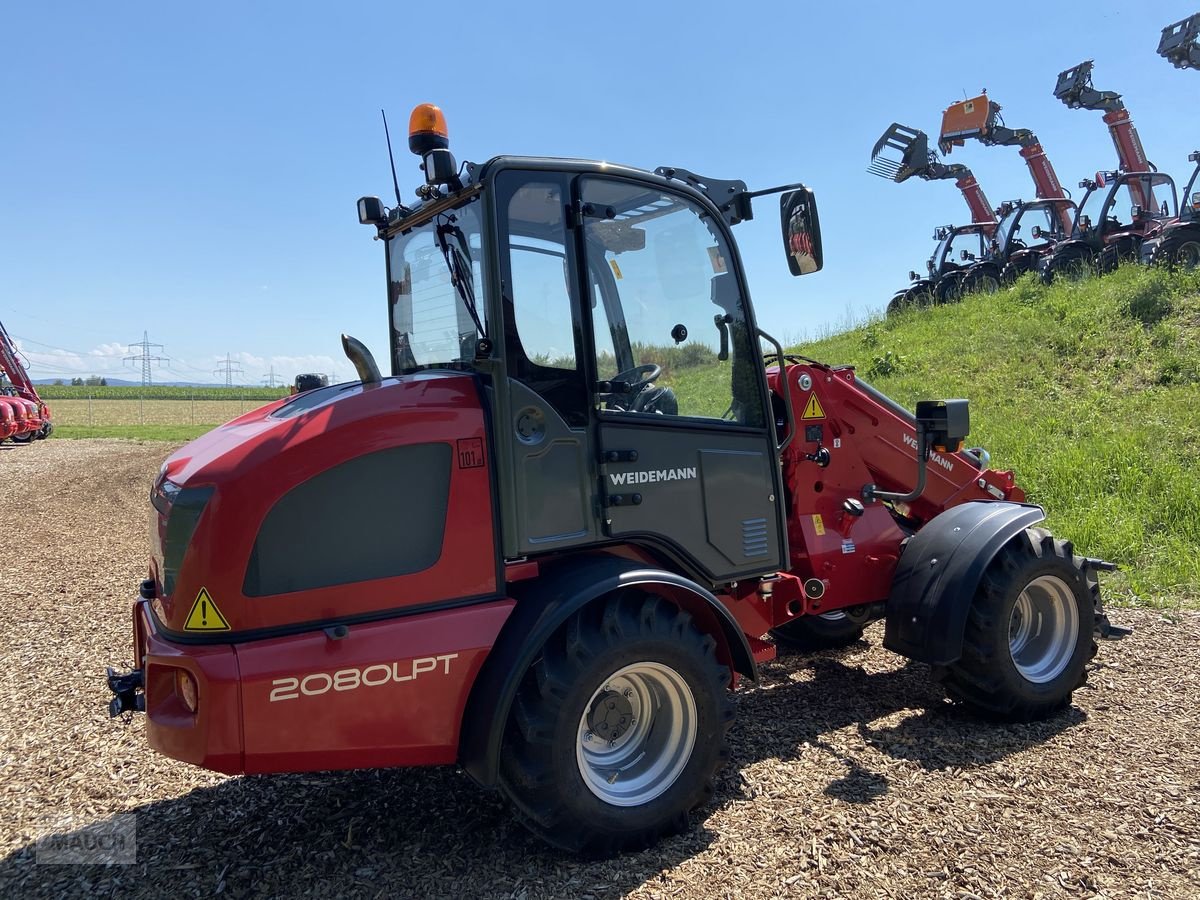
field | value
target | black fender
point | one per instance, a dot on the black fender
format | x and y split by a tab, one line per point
939	572
543	605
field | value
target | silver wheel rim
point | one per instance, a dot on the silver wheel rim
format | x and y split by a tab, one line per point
1188	255
636	734
1043	629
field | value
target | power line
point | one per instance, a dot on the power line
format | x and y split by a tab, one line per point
228	368
146	358
271	378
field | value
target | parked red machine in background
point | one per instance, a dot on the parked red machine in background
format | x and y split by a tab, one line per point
20	390
1102	236
901	153
574	515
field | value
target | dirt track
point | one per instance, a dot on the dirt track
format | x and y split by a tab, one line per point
850	775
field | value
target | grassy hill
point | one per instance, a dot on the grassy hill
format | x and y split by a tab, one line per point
1090	392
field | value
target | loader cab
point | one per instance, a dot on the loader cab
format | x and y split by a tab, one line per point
958	246
1123	202
1033	225
606	317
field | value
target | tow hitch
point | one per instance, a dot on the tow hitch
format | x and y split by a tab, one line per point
127	687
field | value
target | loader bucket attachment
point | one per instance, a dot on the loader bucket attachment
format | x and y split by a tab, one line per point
908	153
1180	43
966	119
1074	88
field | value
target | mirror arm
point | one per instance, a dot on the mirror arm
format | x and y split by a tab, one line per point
785	388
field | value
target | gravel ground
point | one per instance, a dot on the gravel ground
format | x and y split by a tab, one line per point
850	775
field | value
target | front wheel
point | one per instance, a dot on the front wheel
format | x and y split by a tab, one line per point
1029	631
824	631
617	731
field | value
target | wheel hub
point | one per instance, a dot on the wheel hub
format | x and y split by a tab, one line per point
1043	629
636	734
610	716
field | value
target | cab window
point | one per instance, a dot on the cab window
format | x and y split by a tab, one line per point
671	335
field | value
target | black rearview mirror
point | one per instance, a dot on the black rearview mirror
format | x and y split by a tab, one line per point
801	231
1036	232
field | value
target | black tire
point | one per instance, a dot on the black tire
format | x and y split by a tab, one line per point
1016	665
1070	265
1179	250
912	298
1016	267
820	632
1114	255
984	282
949	288
23	438
558	783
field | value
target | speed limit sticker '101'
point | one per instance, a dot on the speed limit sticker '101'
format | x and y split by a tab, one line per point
315	684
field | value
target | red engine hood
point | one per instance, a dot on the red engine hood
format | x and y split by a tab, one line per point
368	416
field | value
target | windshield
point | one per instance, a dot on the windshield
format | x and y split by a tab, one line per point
1018	225
1005	227
434	278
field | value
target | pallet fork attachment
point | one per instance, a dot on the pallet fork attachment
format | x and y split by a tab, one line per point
1074	88
1180	43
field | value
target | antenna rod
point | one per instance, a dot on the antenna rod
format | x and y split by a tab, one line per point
392	160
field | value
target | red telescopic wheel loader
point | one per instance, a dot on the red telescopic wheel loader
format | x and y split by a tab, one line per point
1178	244
1100	240
31	414
1047	219
578	512
903	152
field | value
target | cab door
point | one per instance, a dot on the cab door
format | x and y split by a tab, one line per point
687	460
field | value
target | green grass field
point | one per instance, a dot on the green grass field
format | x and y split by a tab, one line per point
1090	392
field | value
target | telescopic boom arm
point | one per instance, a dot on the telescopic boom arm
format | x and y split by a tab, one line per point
911	156
979	118
11	366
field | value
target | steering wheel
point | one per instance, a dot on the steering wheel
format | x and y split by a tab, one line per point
649	372
638	378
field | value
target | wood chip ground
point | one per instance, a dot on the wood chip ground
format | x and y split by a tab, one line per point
851	776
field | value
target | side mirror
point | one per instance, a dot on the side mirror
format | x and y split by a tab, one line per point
801	231
1036	232
1085	223
966	255
1136	211
1196	200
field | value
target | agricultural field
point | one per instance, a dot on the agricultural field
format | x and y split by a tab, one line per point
850	776
158	413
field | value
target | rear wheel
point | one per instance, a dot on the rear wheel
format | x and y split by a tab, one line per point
1180	250
1029	631
839	628
1114	255
617	731
1016	267
23	438
949	288
1070	265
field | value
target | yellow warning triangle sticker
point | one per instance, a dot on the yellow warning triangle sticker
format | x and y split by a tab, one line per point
812	410
204	615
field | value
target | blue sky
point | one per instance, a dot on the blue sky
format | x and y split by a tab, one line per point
192	171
